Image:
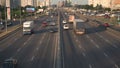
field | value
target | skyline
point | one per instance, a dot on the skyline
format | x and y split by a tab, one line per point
73	1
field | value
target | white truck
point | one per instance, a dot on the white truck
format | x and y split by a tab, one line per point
79	26
71	18
28	27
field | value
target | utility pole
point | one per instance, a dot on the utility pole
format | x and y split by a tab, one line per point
5	17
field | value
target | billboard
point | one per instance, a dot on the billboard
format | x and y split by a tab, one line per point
30	9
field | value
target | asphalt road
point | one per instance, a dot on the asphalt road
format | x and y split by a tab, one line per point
97	48
32	51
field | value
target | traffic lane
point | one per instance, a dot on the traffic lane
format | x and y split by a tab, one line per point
112	48
10	39
13	37
41	55
10	44
106	47
94	57
112	43
72	55
109	48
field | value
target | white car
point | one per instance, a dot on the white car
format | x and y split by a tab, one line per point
64	21
52	23
66	26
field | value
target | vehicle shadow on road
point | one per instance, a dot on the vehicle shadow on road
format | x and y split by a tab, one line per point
91	30
45	30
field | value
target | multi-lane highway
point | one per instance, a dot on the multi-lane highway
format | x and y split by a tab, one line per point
97	48
32	51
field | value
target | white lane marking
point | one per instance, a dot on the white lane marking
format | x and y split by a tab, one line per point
76	40
105	54
83	49
90	66
95	43
25	43
32	58
37	48
18	49
15	39
27	40
107	40
83	54
80	46
116	66
87	36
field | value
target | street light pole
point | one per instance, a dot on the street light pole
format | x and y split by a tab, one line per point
5	17
20	14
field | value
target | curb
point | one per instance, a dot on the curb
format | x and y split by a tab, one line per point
10	31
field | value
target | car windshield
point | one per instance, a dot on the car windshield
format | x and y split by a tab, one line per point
65	34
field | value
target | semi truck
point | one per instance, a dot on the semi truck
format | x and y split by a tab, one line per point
71	18
28	27
78	26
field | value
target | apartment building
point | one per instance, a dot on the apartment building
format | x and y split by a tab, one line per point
114	4
26	2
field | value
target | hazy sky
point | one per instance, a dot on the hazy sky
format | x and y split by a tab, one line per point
73	1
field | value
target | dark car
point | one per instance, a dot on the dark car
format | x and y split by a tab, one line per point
106	25
9	23
10	63
1	26
44	24
53	30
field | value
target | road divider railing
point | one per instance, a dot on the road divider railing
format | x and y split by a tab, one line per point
5	34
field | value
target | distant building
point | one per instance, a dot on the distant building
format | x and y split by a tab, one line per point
113	4
26	2
116	4
35	3
2	2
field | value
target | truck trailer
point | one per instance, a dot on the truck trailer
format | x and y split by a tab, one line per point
71	18
28	27
78	26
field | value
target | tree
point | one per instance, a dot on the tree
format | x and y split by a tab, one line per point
44	7
99	7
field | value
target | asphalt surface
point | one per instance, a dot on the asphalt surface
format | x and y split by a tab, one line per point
32	51
97	48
